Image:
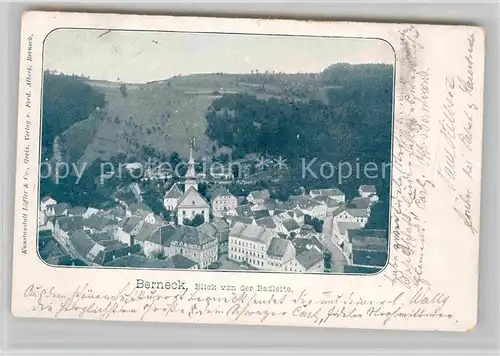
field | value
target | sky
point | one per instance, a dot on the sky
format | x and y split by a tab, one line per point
139	57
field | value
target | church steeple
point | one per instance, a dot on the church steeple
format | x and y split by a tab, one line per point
191	178
191	172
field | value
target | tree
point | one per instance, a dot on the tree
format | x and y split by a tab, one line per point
197	220
224	158
160	255
327	257
66	101
123	90
317	224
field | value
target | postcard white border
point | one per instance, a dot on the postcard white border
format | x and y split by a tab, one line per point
452	285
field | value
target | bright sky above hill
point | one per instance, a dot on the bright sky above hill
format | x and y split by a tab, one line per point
138	57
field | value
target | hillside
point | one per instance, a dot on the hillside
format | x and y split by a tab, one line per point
163	116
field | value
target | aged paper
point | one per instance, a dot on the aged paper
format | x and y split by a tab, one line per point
428	278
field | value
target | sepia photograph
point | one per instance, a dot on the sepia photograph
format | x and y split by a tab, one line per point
221	152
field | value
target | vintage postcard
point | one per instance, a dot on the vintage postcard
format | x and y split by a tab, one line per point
248	171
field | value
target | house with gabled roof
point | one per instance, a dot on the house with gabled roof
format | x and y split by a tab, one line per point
143	211
297	215
222	200
309	261
232	220
370	192
182	262
171	198
279	253
267	222
154	239
258	196
332	193
360	203
194	244
59	209
117	213
46	201
309	206
127	229
257	214
351	215
360	215
90	211
64	225
331	204
219	229
368	248
288	227
76	211
249	243
242	210
96	250
341	229
98	223
366	191
307	242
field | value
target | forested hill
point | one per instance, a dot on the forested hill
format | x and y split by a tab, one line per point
353	122
66	101
347	121
163	116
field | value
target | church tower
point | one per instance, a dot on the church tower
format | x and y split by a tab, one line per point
191	178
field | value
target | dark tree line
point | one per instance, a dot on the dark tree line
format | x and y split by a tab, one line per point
356	121
67	99
353	124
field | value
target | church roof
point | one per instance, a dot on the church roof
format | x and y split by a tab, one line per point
173	193
192	199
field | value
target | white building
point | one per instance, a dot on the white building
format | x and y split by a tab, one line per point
128	230
249	243
279	254
367	191
155	240
309	261
313	208
258	196
64	225
340	231
352	215
190	204
171	198
194	244
222	200
46	201
333	193
89	212
58	209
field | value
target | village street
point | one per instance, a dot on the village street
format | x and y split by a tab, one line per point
338	258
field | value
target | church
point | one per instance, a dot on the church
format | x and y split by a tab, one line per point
189	203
